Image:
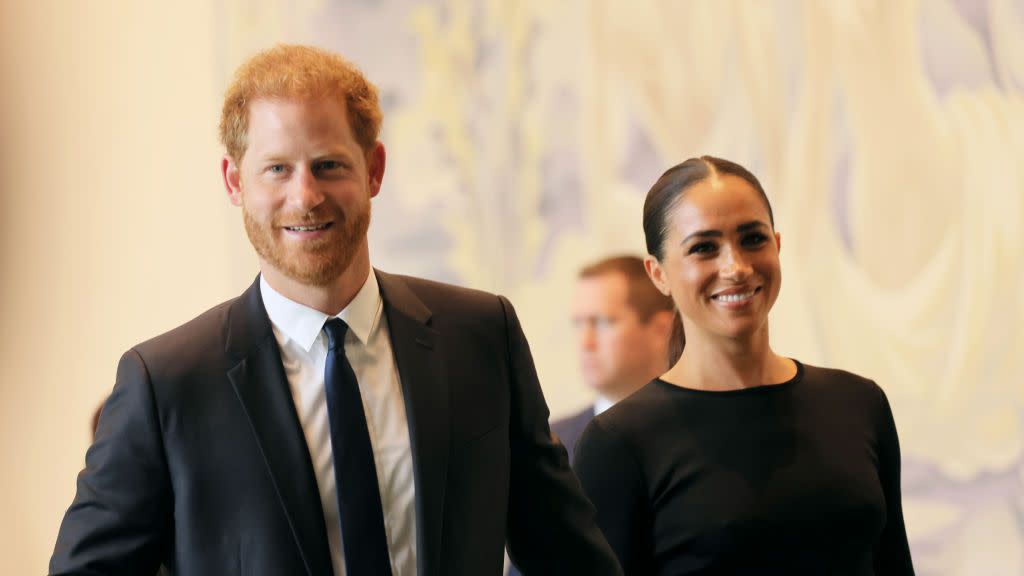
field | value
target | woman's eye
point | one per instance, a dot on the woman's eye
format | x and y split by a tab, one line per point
754	239
702	248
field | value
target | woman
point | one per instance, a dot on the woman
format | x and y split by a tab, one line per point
738	460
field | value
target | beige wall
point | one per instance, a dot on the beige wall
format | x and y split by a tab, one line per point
114	225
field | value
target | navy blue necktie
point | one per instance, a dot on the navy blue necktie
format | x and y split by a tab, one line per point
362	517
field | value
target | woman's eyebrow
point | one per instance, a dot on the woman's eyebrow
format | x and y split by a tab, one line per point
702	234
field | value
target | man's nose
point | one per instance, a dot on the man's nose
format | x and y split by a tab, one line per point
305	193
586	336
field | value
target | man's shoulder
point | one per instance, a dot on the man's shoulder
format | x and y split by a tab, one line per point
441	297
434	289
202	337
573	425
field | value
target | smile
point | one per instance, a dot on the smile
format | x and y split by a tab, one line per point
735	298
311	228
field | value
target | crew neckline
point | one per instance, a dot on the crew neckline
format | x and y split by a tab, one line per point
761	389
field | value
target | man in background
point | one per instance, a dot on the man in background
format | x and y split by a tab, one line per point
623	327
625	331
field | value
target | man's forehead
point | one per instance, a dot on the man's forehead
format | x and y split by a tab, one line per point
278	124
611	281
298	101
602	290
282	112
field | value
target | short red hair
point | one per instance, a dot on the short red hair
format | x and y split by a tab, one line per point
289	71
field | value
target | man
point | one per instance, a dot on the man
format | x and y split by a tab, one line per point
623	328
625	333
333	419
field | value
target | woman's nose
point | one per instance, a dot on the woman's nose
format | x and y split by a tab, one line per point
735	266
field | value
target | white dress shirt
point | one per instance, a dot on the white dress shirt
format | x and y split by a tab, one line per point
303	344
601	404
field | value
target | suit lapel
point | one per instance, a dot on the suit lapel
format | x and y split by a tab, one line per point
425	389
257	375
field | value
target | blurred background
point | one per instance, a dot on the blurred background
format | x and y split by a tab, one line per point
522	138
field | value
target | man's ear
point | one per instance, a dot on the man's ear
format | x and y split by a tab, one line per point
657	274
232	179
375	162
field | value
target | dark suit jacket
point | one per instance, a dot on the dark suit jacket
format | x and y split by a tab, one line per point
200	462
568	430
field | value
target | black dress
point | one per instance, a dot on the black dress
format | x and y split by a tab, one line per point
796	478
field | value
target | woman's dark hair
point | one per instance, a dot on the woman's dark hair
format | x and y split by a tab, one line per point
663	198
669	189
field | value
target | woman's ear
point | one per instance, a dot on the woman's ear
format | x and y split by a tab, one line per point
656	273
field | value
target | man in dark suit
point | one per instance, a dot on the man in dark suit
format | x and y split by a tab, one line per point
625	331
623	326
333	419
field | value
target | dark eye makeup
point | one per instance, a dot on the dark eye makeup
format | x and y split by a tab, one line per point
702	248
754	239
748	240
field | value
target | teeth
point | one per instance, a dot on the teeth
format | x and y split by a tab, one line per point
734	297
307	228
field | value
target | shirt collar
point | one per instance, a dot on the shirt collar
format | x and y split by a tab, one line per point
601	404
303	324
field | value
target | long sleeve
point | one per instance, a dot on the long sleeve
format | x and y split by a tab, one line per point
892	553
613	481
119	520
551	528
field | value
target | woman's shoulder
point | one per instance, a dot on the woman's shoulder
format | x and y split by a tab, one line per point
835	376
621	437
644	410
841	384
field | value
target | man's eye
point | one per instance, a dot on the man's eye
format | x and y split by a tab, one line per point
327	165
276	169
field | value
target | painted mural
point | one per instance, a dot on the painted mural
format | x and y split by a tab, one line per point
523	136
